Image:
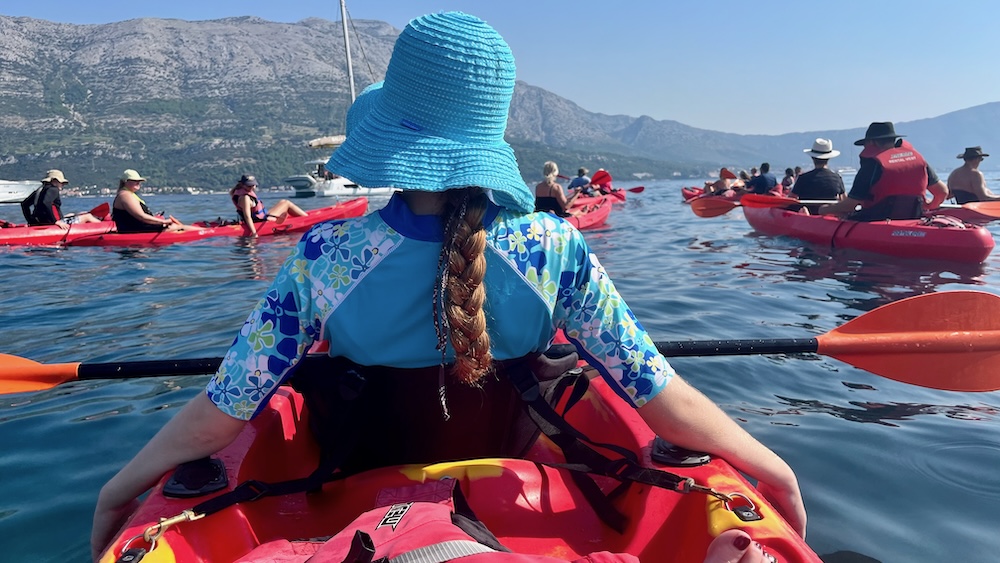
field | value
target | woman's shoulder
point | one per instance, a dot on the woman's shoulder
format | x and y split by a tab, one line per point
537	226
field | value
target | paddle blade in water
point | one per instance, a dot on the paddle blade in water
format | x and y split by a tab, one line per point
948	340
18	375
712	206
637	189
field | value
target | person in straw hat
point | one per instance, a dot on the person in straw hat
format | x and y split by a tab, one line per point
891	181
455	273
820	182
966	182
44	205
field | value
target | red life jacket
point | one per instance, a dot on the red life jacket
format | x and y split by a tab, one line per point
420	519
904	172
257	211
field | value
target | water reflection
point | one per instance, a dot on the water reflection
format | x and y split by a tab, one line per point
884	278
870	412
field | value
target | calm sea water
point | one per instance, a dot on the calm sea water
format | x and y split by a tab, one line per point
888	470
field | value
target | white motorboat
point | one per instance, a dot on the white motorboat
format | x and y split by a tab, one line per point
14	191
319	182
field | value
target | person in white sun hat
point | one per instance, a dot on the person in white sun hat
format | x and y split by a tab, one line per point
456	273
820	182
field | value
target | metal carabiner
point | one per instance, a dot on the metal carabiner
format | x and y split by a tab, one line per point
735	496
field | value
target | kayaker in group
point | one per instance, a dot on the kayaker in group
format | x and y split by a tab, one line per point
549	194
762	183
250	209
44	205
131	214
455	273
787	181
892	180
720	186
581	181
820	183
966	183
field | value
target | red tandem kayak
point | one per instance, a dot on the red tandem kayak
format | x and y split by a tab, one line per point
691	193
352	208
531	507
597	210
933	238
47	235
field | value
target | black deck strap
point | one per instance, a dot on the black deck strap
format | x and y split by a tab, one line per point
582	460
362	548
463	516
551	421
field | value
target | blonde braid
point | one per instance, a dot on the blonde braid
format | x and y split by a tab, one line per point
464	257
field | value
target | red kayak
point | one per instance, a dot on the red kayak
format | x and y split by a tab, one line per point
933	238
595	214
691	192
530	506
48	235
352	208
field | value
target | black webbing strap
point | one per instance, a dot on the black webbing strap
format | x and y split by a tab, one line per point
582	460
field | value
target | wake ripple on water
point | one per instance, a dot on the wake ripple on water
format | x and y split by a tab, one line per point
958	465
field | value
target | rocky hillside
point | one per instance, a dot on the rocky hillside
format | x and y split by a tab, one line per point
199	103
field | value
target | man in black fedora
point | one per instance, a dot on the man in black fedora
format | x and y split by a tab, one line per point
966	182
892	180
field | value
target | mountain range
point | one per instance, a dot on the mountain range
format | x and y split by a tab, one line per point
198	103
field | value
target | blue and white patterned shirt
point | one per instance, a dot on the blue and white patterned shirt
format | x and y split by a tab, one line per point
366	286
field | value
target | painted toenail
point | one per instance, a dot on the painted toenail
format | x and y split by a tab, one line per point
741	542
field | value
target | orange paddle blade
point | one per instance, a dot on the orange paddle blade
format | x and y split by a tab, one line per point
637	189
986	208
948	340
18	375
712	206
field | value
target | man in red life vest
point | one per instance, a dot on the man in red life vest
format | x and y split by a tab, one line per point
891	181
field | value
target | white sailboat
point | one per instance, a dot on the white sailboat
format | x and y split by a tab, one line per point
319	181
14	191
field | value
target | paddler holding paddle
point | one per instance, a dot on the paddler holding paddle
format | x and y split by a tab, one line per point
891	181
455	273
44	205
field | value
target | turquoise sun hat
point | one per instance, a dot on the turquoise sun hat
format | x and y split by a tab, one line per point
437	120
360	107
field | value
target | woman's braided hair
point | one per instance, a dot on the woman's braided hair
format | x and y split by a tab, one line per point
462	266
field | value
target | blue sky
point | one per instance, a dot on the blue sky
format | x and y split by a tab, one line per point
729	65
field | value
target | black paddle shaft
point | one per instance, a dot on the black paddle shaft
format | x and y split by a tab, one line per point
153	368
747	347
205	366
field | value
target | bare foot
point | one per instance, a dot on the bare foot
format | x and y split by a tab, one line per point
735	546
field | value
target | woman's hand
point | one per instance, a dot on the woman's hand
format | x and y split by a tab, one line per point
787	500
107	521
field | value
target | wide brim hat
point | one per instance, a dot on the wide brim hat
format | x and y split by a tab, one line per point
132	176
879	130
437	121
973	152
55	175
822	149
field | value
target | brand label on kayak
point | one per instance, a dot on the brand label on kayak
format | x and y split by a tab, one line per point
394	515
905	233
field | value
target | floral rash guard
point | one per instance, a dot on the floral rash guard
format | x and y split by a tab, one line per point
366	286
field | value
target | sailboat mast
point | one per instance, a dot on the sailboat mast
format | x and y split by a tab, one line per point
347	49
